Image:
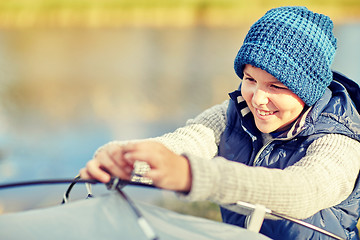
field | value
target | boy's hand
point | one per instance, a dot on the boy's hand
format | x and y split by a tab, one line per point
168	170
107	162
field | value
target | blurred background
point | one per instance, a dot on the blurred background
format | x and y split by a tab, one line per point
75	74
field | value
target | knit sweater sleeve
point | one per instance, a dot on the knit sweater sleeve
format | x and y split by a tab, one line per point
201	135
324	177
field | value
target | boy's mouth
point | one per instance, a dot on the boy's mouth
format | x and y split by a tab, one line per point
264	113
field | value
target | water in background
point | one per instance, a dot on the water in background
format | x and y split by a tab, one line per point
65	92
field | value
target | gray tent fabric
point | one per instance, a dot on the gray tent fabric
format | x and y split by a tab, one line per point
109	216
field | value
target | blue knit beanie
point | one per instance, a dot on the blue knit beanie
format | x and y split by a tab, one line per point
296	46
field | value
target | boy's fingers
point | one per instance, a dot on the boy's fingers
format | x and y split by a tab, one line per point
148	152
114	153
83	174
130	147
154	175
143	156
94	171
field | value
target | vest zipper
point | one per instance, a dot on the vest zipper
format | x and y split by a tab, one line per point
267	144
261	150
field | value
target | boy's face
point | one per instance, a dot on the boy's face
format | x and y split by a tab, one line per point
273	105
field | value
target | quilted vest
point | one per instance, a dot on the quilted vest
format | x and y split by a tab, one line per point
336	112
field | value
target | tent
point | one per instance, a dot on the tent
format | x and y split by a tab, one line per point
111	216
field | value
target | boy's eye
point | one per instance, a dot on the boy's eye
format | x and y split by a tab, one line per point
278	87
249	79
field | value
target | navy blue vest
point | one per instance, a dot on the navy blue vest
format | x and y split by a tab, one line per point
335	112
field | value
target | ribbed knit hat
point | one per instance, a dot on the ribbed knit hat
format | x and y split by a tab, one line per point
296	46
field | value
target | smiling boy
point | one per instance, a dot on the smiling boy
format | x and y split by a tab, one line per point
288	138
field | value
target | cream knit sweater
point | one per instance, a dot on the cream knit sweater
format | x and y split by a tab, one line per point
324	177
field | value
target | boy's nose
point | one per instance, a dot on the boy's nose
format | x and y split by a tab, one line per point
260	97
